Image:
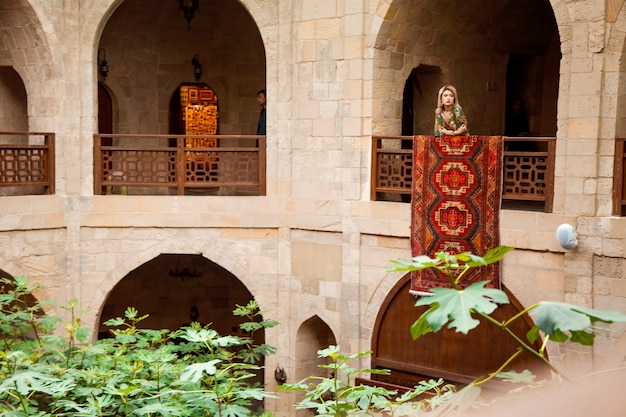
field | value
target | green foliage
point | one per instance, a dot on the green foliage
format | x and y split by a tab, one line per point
337	395
555	319
192	371
456	308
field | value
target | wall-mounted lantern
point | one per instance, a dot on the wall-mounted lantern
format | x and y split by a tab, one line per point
103	65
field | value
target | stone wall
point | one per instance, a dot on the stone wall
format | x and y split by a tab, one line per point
315	248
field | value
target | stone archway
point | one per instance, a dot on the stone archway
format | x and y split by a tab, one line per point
175	289
150	51
418	102
28	300
471	47
170	285
14	115
25	55
313	335
457	358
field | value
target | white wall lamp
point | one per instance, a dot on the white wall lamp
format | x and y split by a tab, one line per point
566	236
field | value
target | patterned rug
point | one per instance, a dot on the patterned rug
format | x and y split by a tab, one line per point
457	185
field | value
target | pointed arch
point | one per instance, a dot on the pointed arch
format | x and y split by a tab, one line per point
406	34
176	289
457	358
312	335
219	252
14	115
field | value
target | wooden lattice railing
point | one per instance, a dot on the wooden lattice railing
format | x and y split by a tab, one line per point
163	165
26	163
528	170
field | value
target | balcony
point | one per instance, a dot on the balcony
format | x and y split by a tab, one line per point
528	171
164	165
26	163
235	165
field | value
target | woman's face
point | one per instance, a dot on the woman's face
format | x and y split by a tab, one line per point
447	98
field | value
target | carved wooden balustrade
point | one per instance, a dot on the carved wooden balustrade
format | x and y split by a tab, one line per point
163	165
528	171
26	163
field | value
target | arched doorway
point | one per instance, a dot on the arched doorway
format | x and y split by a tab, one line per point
14	115
175	289
472	48
151	51
168	287
21	300
194	111
420	100
457	358
533	78
313	335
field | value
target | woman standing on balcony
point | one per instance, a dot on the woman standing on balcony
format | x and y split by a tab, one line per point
449	116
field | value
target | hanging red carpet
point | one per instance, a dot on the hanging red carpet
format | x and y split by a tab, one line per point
457	186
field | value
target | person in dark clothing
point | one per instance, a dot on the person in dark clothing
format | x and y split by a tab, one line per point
516	122
261	99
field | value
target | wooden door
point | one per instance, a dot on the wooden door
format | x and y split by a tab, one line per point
457	358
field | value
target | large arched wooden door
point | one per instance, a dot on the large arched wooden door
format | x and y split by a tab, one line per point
457	358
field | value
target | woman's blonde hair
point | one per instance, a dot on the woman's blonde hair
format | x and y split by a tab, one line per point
441	91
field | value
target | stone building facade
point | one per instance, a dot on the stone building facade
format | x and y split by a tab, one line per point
313	250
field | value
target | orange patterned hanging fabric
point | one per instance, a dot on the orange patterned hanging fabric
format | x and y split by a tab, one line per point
457	188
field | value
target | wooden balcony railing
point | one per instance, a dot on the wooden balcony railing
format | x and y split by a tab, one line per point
26	163
528	171
162	165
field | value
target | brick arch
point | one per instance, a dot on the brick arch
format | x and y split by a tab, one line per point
127	31
389	12
14	101
317	318
99	293
28	51
27	45
375	303
457	358
220	258
312	335
144	282
200	291
404	34
41	293
261	12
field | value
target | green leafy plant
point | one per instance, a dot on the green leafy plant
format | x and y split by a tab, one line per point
193	371
457	307
339	395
